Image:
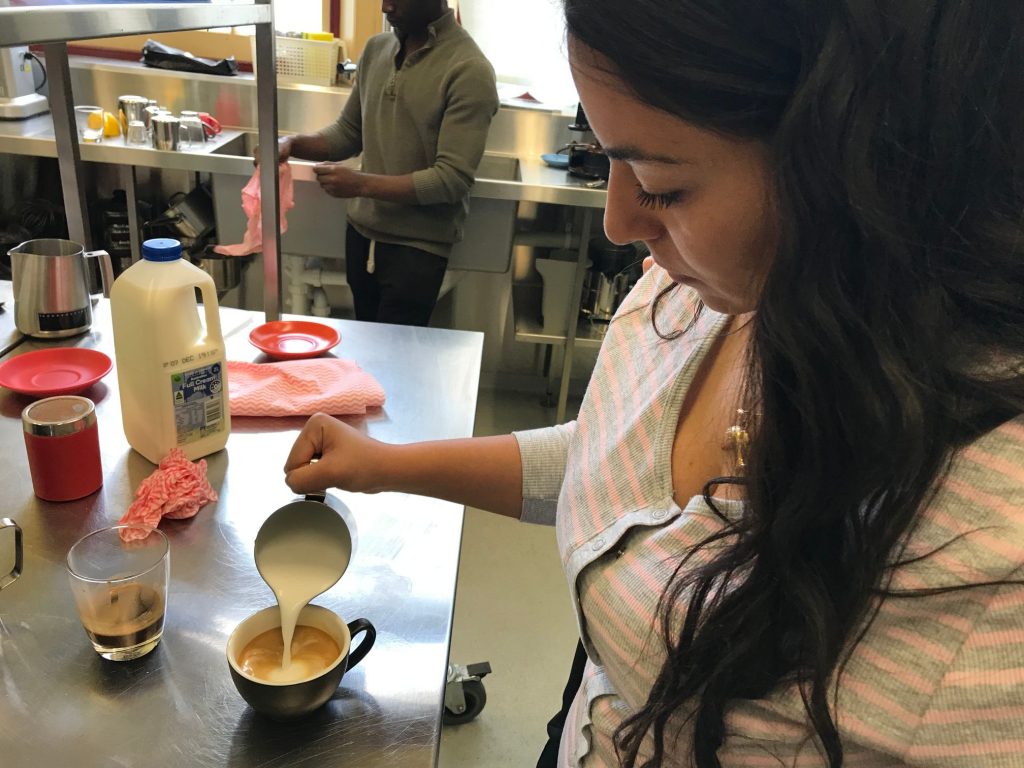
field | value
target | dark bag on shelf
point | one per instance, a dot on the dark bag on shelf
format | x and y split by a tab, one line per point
162	56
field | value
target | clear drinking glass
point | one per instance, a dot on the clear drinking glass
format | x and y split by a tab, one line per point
89	120
193	132
138	134
120	589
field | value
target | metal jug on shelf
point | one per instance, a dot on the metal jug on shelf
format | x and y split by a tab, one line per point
130	108
613	271
51	287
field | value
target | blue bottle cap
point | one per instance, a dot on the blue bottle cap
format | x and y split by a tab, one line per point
161	249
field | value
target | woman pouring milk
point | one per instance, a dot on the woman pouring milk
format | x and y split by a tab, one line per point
790	509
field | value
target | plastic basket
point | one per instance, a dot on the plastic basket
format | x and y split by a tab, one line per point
304	61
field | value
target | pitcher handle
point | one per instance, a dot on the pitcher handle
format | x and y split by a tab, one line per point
10	578
211	311
106	271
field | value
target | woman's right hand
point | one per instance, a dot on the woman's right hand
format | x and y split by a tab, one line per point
329	453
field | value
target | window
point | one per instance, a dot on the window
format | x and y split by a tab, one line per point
299	16
291	16
525	41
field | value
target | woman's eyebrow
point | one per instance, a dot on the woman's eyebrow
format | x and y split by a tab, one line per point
635	154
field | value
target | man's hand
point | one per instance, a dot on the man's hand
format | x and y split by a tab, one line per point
338	181
284	150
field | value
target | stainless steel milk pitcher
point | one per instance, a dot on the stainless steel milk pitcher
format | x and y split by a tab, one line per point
9	578
51	287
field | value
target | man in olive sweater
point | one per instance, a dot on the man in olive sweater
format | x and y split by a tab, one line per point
419	113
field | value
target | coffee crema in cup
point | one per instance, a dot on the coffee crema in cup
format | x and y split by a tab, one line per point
313	651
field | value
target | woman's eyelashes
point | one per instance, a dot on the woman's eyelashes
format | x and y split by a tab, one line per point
657	200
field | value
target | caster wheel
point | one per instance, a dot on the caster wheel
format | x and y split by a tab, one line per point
476	697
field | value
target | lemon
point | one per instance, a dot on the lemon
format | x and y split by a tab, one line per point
95	121
111	126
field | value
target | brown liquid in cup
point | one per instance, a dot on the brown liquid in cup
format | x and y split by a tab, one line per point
131	614
313	651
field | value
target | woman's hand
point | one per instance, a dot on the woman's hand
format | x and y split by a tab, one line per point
332	454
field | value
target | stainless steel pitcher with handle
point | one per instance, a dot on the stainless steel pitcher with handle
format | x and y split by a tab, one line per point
51	287
9	578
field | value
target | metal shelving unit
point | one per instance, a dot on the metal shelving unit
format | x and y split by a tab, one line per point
55	26
526	304
526	309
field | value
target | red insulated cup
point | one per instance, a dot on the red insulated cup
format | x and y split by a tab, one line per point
63	447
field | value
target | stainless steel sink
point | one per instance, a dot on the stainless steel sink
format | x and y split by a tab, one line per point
499	167
493	166
242	145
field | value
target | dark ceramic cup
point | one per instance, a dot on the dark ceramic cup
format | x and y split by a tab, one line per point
289	701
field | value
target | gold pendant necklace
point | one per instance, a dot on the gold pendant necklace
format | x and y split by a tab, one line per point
737	440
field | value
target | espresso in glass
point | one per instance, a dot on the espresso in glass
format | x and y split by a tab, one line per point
313	651
127	616
119	578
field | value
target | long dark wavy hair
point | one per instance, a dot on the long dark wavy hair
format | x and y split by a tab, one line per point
886	328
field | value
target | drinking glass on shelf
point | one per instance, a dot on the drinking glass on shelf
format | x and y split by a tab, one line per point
138	134
120	589
193	133
89	120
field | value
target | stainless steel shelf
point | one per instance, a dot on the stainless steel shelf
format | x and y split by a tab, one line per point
63	23
526	303
55	26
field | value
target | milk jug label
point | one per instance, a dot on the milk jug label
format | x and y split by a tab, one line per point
198	397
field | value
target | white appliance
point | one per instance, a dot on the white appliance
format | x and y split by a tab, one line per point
18	97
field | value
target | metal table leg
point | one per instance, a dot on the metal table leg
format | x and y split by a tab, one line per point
586	217
270	204
128	181
69	158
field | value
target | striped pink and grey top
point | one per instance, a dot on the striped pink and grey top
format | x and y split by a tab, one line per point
936	681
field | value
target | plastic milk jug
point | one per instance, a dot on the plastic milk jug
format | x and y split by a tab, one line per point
170	366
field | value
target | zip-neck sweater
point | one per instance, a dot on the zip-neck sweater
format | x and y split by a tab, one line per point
428	117
936	681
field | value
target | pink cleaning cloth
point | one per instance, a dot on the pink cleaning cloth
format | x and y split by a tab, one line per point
301	388
176	490
252	241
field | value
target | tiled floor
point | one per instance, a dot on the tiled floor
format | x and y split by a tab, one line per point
511	609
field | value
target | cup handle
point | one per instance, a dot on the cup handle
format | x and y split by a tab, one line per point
354	628
210	122
106	272
10	578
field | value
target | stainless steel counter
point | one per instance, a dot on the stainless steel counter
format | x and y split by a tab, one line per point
501	176
63	705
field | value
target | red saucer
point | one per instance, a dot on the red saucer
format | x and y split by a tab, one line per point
56	371
293	339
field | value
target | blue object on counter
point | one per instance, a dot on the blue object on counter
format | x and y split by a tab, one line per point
556	160
161	249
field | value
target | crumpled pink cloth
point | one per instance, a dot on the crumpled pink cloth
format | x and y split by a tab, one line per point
176	490
252	240
301	388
